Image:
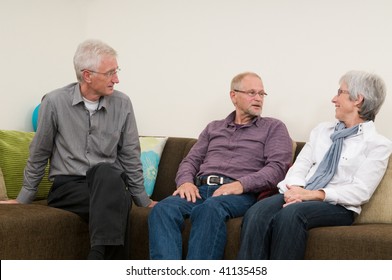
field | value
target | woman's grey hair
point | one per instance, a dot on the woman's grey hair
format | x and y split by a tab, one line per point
88	55
371	87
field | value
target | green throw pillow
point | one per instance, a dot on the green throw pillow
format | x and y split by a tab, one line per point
3	190
14	151
151	151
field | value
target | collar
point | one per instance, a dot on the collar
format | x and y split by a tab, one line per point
78	98
230	120
364	128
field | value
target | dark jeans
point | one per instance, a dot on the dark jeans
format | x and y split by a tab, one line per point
100	198
270	231
208	217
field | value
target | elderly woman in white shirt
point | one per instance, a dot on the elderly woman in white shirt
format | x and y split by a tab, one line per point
336	172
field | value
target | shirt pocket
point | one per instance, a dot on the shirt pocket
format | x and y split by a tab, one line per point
349	165
108	143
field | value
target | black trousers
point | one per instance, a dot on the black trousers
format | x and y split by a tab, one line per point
102	199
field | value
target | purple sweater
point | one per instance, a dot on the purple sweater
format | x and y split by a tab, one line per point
257	154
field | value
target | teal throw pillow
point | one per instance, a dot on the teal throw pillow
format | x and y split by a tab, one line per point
151	151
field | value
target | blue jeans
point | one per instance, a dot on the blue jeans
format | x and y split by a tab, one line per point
208	218
272	232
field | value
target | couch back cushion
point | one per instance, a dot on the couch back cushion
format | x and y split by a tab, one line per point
379	207
14	151
175	150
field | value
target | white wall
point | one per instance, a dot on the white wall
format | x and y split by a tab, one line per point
178	57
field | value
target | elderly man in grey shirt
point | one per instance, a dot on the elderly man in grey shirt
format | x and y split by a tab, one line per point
234	161
87	131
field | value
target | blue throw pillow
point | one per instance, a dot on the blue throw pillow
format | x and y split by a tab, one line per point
35	117
151	151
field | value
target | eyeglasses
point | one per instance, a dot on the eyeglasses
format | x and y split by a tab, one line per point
252	93
108	74
340	91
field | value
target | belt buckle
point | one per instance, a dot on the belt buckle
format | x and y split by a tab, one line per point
214	184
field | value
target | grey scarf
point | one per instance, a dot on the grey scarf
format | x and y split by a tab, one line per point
329	164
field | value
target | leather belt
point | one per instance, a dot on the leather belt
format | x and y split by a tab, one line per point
212	180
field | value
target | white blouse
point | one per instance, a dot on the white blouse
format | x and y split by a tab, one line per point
361	167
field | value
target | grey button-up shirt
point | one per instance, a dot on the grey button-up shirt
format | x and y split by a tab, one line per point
74	141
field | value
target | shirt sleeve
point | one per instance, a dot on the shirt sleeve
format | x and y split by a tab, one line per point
278	153
190	165
129	158
304	162
40	151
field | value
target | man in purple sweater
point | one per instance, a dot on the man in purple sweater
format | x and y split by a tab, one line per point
234	161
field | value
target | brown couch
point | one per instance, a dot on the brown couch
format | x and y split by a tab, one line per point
37	231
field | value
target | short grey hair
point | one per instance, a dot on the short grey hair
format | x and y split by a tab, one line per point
371	87
88	55
237	80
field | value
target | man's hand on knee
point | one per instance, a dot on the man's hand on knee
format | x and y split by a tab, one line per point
231	188
188	191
